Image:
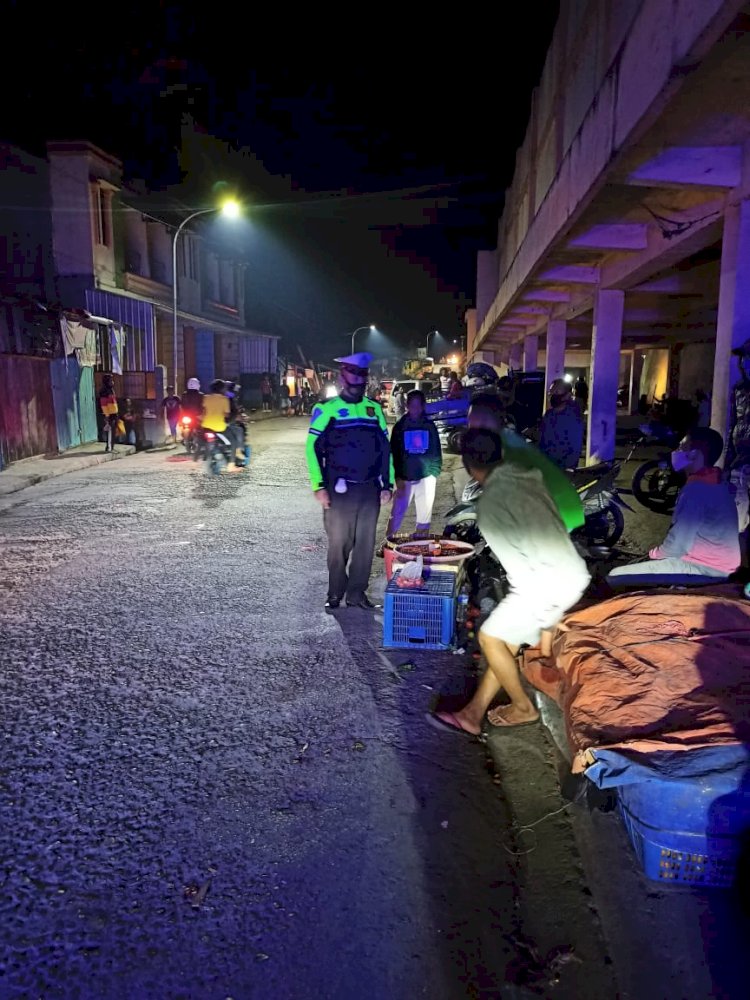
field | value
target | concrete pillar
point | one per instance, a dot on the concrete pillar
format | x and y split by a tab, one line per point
515	356
530	352
733	320
556	332
606	340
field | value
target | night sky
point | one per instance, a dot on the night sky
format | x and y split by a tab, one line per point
373	154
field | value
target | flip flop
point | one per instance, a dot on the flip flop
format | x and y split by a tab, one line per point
513	725
447	722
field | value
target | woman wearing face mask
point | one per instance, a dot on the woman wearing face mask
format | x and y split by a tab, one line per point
702	544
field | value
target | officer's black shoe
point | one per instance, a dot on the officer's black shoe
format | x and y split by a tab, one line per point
365	603
332	603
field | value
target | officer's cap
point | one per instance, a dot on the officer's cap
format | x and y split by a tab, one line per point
360	360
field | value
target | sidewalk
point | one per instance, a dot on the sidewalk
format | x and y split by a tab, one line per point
31	471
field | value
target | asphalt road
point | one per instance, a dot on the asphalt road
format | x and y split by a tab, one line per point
212	789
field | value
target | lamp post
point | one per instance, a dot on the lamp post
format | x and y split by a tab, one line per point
430	334
231	210
370	327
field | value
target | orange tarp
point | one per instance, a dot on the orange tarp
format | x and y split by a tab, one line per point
666	670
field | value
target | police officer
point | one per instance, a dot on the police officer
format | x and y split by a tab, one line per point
351	472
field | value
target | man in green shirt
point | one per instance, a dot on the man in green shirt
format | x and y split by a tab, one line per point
351	473
486	413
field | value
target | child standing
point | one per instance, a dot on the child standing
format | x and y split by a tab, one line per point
417	462
171	406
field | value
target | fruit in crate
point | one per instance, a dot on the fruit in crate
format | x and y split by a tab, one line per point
413	583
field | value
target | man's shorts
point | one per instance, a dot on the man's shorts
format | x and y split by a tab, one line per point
521	617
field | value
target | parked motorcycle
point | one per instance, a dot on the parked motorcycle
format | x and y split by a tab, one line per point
602	508
655	483
604	522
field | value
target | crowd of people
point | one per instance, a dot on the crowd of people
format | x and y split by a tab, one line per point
526	513
218	410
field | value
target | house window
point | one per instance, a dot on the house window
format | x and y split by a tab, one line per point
227	289
189	258
212	277
102	216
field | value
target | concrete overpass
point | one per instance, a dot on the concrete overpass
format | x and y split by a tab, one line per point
626	228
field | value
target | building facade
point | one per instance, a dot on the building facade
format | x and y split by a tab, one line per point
46	398
115	261
83	263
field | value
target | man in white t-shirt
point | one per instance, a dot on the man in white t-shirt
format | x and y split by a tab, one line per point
522	525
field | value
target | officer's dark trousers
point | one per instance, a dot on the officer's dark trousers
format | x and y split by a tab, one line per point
350	523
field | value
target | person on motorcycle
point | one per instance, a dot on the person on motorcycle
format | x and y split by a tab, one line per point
232	392
521	524
192	400
703	543
487	413
217	416
241	422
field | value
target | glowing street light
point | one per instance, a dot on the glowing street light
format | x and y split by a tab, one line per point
370	327
430	334
230	209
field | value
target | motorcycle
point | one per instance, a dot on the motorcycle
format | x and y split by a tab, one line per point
218	451
189	431
602	508
602	505
655	483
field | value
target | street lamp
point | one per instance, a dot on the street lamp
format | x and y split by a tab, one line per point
430	334
231	210
370	327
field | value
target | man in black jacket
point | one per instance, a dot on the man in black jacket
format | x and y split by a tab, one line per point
417	462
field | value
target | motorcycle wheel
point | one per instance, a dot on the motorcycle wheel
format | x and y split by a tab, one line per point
605	527
657	487
214	463
467	531
454	442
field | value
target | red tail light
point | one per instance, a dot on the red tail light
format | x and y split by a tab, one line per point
186	420
210	436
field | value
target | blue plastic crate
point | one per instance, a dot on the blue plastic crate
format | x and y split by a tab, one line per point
688	831
424	618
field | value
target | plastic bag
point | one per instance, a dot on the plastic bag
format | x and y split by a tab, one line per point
411	574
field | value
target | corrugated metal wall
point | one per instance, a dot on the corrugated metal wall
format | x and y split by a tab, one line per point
140	345
74	403
257	354
27	415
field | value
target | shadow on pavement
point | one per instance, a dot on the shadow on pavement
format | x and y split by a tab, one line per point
463	823
213	491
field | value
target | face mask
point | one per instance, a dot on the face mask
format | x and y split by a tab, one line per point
682	460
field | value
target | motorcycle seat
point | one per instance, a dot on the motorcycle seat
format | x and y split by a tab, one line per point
589	471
